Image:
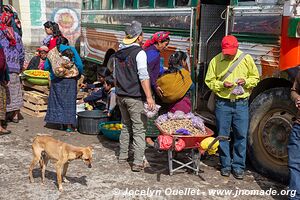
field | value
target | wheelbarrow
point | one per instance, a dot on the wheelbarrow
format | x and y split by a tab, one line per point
191	143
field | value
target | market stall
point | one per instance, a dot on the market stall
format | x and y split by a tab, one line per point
35	92
179	132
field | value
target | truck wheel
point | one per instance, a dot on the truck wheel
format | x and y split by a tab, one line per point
271	116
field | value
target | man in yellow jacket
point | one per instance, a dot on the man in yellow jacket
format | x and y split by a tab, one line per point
232	95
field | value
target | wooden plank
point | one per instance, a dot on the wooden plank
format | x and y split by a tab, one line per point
33	113
35	107
43	89
35	97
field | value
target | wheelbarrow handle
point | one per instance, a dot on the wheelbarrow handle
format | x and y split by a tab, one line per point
219	138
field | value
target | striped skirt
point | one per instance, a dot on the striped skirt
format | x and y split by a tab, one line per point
2	102
62	102
15	93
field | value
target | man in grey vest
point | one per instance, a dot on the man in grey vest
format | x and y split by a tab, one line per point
132	89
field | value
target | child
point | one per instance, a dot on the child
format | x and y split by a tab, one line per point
38	61
102	72
98	89
109	87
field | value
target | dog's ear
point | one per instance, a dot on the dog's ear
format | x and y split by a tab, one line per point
79	154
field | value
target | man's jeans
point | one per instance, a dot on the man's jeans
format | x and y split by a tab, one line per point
233	115
294	160
134	125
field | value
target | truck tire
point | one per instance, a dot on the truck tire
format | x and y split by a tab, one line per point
271	116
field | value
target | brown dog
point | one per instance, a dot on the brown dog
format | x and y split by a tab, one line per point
46	148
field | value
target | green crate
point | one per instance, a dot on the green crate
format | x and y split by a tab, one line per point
152	130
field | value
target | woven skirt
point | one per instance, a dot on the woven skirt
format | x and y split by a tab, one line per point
62	102
3	92
15	93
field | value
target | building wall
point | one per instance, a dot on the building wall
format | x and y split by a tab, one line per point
34	13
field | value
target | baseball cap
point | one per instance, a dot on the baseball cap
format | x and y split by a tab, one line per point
132	31
229	45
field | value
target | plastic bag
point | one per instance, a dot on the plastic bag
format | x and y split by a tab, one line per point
162	119
183	131
150	113
238	90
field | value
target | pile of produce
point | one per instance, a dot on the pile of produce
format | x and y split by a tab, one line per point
37	73
87	106
181	123
37	77
116	126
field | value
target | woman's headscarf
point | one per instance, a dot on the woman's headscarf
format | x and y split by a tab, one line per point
6	26
157	37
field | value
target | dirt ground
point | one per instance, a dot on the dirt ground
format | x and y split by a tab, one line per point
110	180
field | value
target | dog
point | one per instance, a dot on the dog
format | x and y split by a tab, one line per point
45	148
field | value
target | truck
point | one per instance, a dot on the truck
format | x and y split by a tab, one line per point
268	30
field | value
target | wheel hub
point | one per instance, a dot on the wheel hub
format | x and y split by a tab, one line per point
274	133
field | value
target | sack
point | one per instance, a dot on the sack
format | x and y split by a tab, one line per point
168	82
211	104
62	66
179	144
164	142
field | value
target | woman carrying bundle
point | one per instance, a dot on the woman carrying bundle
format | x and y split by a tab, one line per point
65	67
176	84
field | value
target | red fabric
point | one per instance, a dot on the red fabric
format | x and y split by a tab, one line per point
184	105
156	37
229	45
5	26
179	145
52	43
165	142
2	61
